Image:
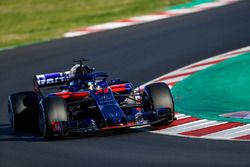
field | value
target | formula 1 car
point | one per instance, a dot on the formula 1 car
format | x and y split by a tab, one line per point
85	101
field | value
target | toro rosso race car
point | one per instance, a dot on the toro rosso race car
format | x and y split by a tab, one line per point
83	101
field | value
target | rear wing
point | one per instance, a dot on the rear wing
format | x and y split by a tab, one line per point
51	79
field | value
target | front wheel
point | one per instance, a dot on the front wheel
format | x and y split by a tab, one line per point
53	117
157	97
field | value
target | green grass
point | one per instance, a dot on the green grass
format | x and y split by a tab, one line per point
26	21
220	89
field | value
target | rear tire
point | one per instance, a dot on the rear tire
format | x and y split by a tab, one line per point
23	110
158	96
53	109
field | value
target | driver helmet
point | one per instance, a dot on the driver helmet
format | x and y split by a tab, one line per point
90	85
79	70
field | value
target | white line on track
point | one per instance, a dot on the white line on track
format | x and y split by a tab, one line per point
181	116
231	133
188	68
183	11
108	26
149	18
189	126
177	79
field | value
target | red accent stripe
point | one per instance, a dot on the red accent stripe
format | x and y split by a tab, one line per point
172	83
80	95
74	95
235	53
180	122
212	129
80	30
189	73
208	63
128	21
102	91
130	124
88	29
175	76
167	13
162	13
246	137
118	88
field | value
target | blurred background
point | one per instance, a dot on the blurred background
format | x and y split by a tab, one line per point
28	21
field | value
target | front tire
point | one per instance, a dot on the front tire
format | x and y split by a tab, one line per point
53	110
156	97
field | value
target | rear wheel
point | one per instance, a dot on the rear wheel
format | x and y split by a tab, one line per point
23	111
53	117
157	97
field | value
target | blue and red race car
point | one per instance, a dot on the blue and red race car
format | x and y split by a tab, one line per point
85	101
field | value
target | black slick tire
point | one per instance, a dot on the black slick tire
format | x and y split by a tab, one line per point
53	109
23	109
157	96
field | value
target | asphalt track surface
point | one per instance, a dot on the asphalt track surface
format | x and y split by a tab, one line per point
139	53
